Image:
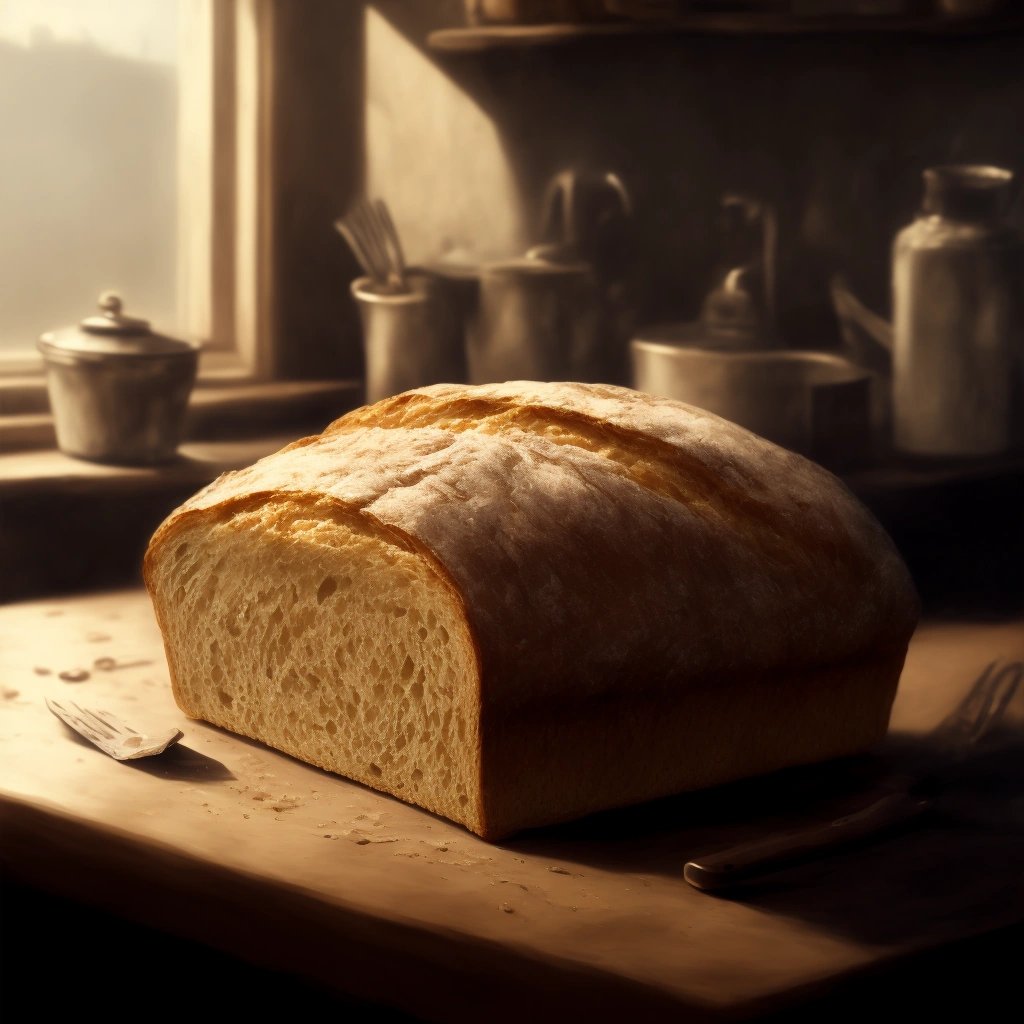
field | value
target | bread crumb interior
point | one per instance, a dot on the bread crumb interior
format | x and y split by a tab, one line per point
295	625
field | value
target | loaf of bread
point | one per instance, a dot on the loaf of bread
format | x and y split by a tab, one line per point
516	604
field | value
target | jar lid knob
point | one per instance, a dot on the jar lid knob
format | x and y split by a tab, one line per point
113	320
111	304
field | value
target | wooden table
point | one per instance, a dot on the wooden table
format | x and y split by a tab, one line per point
227	842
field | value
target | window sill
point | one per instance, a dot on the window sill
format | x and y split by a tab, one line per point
72	525
38	473
216	411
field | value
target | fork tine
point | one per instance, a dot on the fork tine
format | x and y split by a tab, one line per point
1000	695
983	707
964	716
96	724
393	238
380	234
354	244
372	242
992	707
105	718
985	690
368	226
82	726
104	729
354	225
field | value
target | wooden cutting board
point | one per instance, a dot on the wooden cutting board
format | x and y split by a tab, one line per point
230	843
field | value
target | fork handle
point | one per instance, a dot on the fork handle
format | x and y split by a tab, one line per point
719	872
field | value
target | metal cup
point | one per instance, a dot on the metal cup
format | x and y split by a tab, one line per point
536	320
410	339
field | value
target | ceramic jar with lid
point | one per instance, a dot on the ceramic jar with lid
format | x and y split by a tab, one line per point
958	332
118	390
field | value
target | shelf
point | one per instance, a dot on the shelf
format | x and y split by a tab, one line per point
484	38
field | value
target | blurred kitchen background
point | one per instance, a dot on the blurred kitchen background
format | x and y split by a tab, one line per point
706	180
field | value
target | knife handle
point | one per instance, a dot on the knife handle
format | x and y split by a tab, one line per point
718	872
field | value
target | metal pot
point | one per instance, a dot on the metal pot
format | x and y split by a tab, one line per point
812	402
118	391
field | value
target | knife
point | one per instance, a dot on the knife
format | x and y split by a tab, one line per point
905	797
721	871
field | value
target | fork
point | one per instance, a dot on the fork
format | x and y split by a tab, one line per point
907	796
373	238
110	734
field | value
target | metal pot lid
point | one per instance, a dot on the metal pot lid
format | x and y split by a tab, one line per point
534	266
111	334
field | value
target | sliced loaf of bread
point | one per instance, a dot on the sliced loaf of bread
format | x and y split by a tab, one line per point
516	604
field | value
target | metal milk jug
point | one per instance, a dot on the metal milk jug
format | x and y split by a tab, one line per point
958	330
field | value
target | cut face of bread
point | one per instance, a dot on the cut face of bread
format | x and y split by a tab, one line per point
306	628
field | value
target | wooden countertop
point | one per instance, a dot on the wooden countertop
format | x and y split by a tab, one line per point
227	842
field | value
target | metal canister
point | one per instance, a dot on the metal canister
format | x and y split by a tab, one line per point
958	272
537	320
411	339
118	390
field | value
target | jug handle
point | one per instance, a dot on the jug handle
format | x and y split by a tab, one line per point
560	205
559	209
619	187
867	337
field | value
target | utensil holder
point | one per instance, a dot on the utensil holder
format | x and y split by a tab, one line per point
410	339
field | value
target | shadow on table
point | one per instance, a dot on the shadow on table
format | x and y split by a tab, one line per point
176	764
959	862
183	764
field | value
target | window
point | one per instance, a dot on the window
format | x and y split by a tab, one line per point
88	106
133	134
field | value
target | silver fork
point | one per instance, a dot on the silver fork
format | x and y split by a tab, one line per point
907	796
982	709
371	234
110	734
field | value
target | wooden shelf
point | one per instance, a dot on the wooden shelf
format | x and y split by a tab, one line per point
484	38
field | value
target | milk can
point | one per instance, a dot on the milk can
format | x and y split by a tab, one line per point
958	281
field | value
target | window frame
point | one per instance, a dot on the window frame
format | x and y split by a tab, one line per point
225	225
